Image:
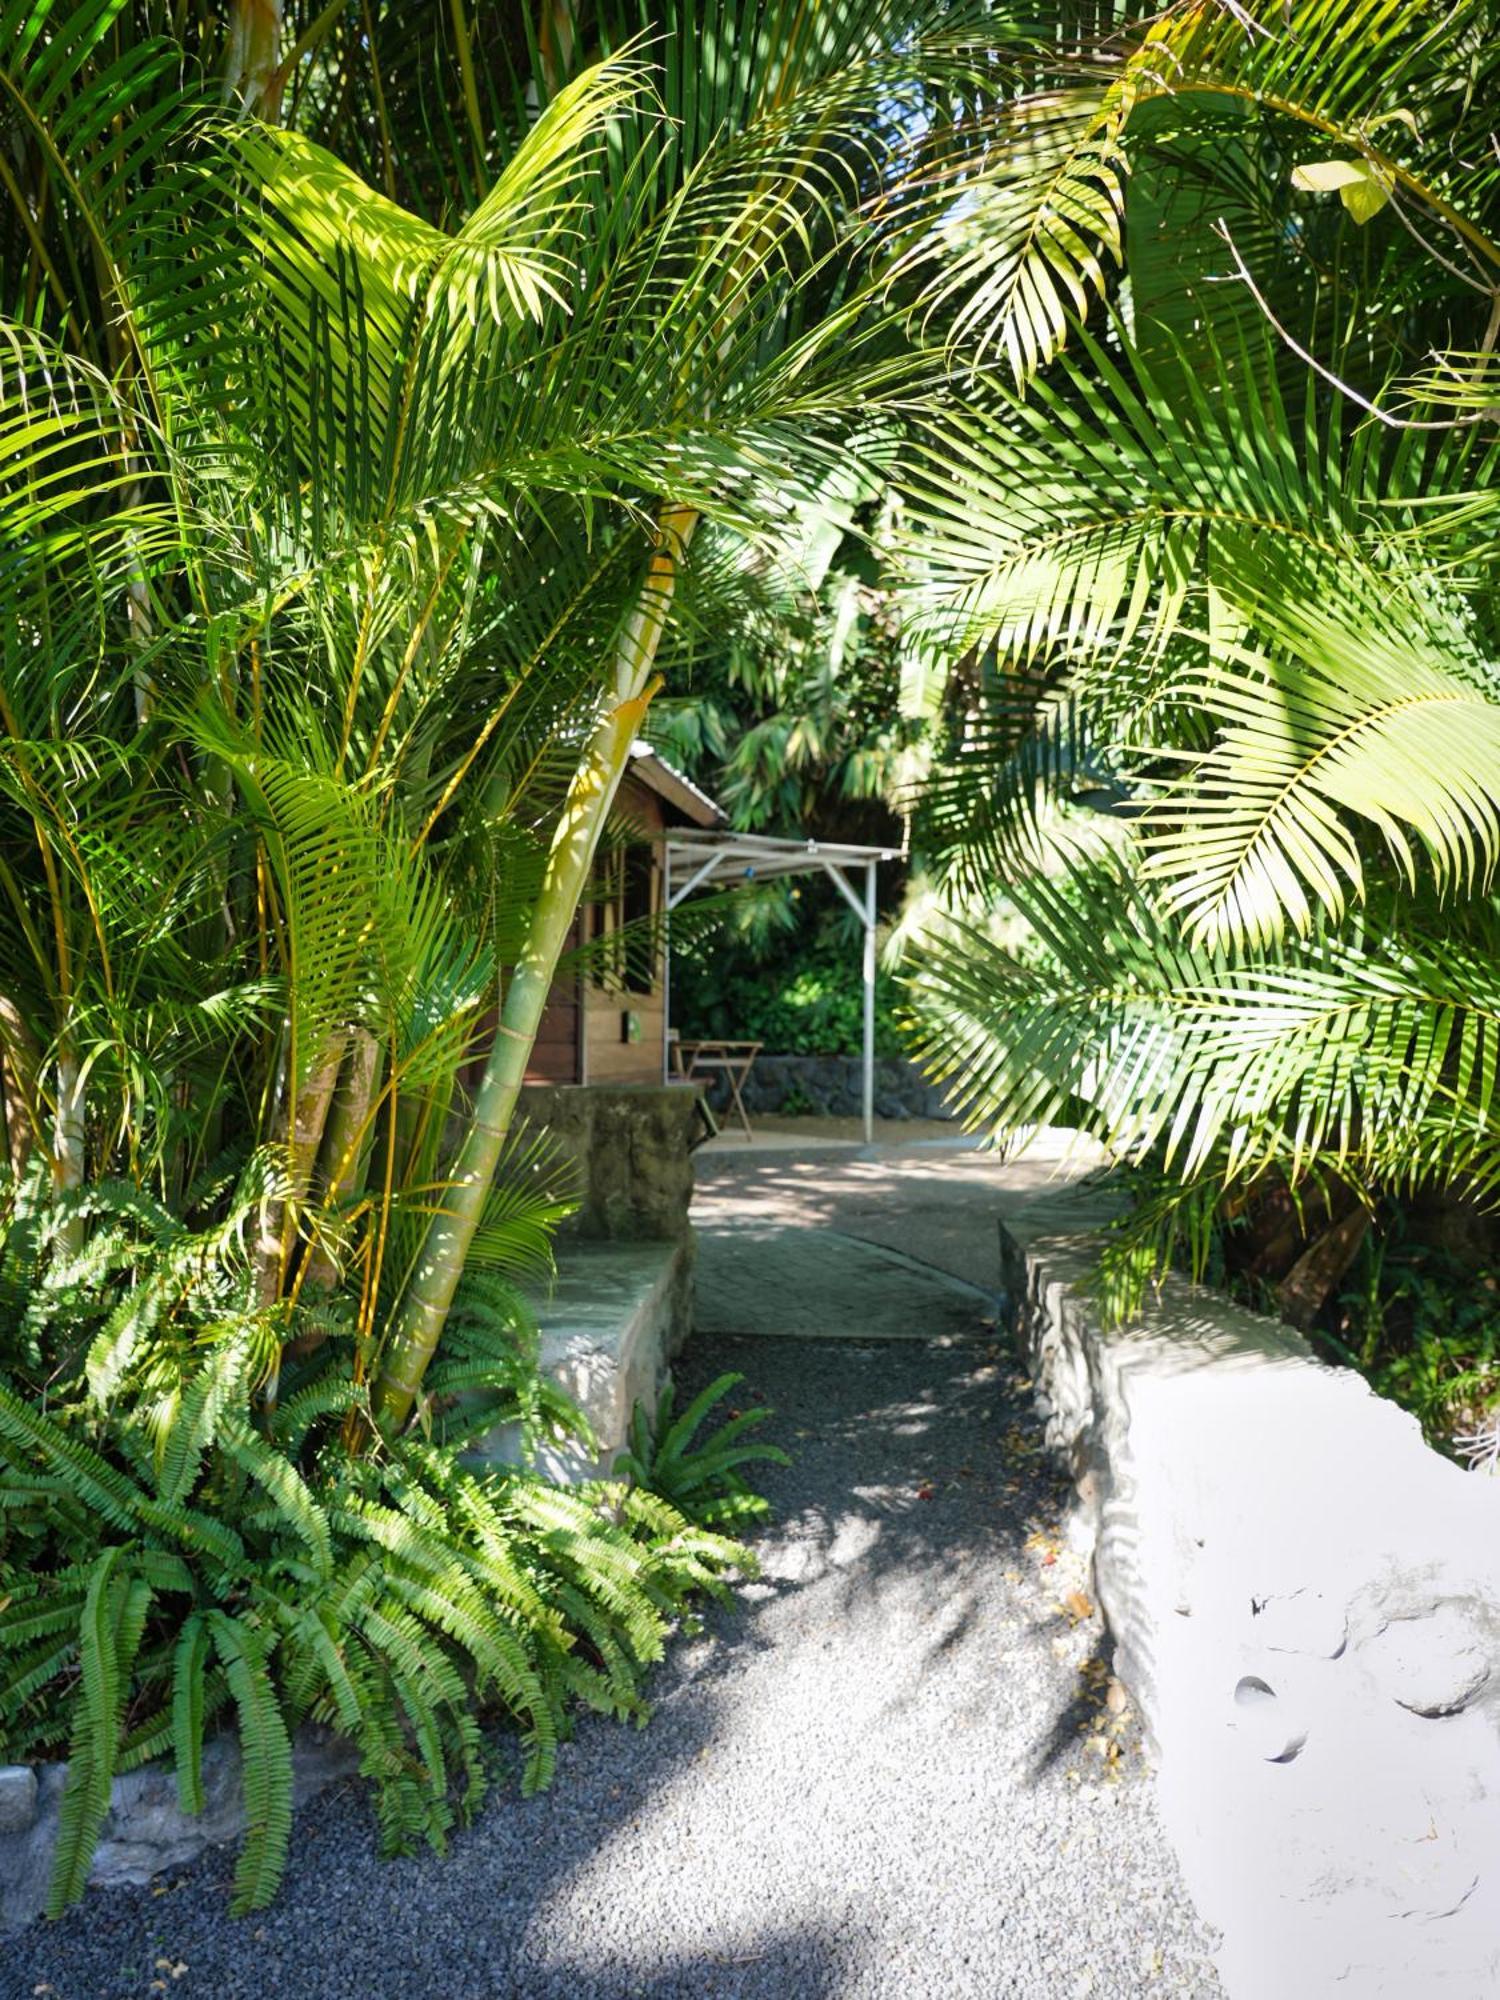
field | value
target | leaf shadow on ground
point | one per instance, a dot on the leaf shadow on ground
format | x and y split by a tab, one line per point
689	1860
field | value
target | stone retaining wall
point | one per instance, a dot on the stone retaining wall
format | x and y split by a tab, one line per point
611	1323
833	1087
631	1147
146	1831
1305	1604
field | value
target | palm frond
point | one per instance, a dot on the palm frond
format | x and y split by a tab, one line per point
1376	709
1010	243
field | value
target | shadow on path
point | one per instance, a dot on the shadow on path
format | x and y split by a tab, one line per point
868	1779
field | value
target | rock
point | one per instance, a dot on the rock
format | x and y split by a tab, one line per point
833	1086
610	1323
1305	1621
145	1831
1434	1663
1305	1604
630	1146
17	1797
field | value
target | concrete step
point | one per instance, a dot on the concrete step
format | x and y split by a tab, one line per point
610	1323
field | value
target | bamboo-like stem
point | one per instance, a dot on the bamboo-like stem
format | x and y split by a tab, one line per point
20	1068
596	780
252	71
69	1137
347	1138
306	1120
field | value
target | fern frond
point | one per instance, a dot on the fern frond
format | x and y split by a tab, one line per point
266	1761
189	1708
281	1480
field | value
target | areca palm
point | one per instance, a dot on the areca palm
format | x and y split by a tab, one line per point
1230	559
344	520
352	522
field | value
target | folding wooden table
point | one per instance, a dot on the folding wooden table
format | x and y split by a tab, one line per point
731	1060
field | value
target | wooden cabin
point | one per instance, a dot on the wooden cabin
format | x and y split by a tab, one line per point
604	1024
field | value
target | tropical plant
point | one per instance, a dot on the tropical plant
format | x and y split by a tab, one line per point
298	812
175	1548
365	385
800	998
703	1478
1225	567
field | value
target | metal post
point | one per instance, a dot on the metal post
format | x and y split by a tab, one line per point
666	964
869	973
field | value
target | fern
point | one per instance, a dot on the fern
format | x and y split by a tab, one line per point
114	1615
190	1709
266	1752
702	1481
176	1550
292	1499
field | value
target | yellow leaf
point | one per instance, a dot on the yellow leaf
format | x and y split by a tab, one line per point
1363	188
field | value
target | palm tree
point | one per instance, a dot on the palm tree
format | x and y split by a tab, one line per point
353	518
342	526
1228	562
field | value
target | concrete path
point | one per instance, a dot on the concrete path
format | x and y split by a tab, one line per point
895	1770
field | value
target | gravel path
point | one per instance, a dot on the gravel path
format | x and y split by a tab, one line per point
890	1772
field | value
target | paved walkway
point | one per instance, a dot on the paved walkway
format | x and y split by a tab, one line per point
896	1770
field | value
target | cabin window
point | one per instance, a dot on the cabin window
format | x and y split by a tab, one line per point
638	908
624	901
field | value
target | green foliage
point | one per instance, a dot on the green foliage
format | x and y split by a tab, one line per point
702	1479
1224	572
351	368
795	1001
1424	1328
178	1552
1420	1322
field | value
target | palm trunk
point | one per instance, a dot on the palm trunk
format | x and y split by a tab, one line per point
278	1219
68	1138
20	1065
252	58
346	1141
424	1310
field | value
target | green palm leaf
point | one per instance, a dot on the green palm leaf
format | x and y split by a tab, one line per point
1374	710
1013	247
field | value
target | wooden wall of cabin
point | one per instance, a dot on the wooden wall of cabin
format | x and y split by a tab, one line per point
557	1056
628	884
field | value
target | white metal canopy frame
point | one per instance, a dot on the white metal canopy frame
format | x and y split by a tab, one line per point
701	858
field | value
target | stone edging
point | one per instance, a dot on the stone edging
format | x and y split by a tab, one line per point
146	1831
833	1087
1305	1604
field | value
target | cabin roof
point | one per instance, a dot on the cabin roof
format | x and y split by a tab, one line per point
674	788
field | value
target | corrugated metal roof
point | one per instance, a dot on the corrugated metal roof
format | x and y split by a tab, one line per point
675	787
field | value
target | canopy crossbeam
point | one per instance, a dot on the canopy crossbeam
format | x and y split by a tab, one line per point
698	859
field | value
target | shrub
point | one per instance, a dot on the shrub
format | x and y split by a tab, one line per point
810	1003
204	1525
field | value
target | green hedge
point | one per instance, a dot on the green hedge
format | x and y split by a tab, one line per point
810	1004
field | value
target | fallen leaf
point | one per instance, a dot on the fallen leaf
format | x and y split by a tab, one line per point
1078	1606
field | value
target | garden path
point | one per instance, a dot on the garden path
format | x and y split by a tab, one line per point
891	1771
